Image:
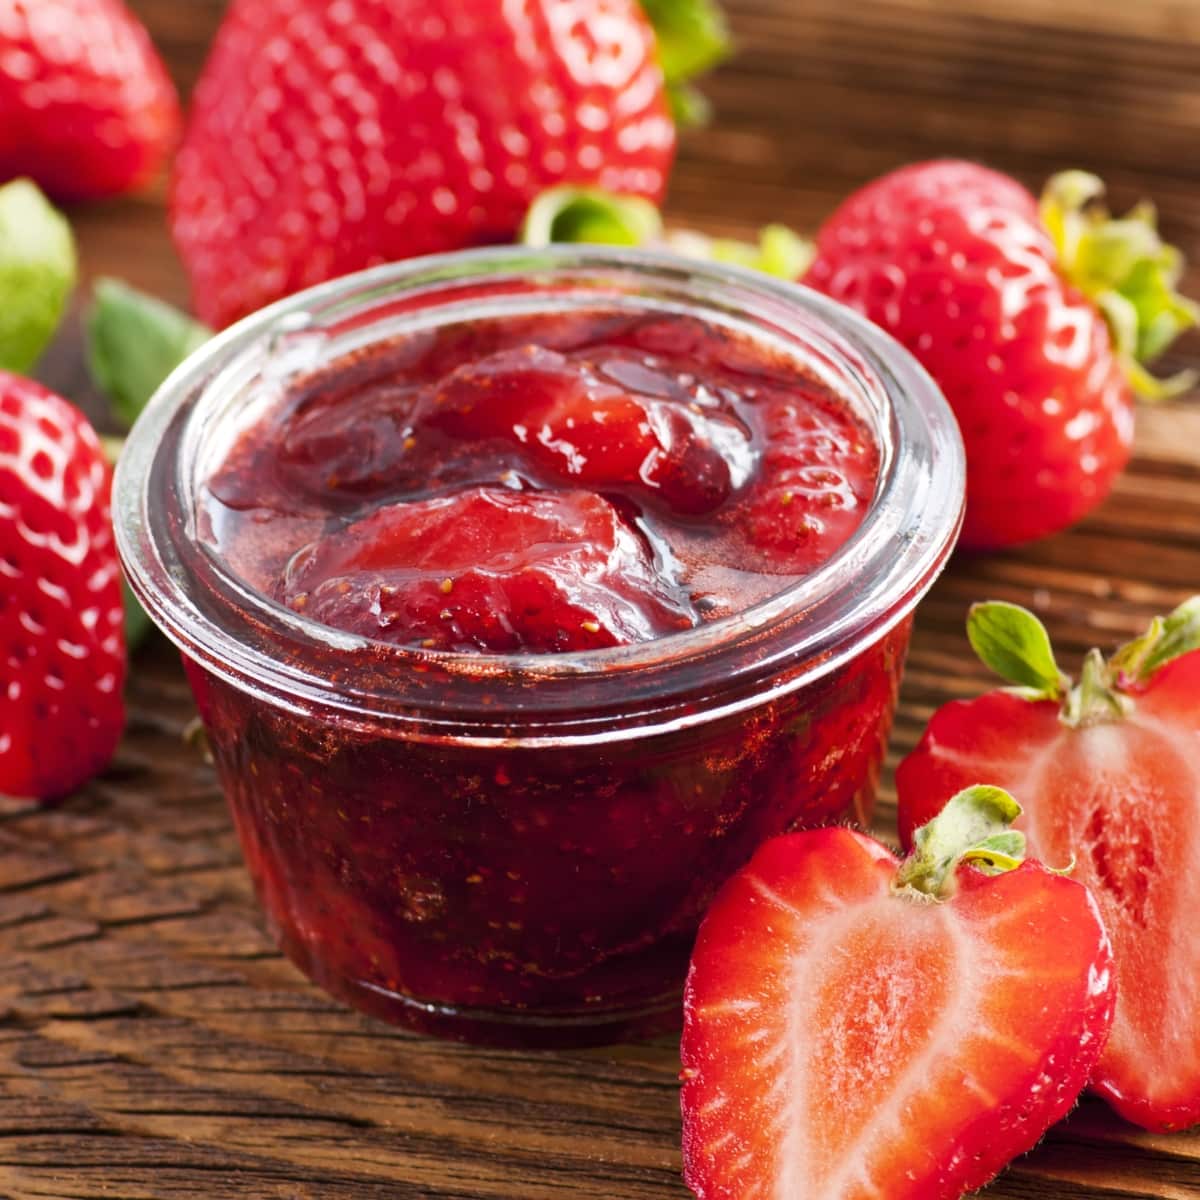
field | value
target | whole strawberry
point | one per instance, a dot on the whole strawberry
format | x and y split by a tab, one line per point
328	137
1032	321
86	107
1107	772
856	1027
61	709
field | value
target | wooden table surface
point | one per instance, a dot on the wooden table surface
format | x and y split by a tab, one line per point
152	1042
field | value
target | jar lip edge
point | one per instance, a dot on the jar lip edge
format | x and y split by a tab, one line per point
914	405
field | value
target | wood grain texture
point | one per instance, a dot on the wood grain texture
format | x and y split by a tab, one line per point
154	1046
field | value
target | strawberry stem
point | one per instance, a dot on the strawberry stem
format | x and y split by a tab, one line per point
974	827
1095	698
1127	270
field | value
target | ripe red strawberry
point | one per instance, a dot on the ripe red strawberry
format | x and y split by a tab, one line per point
1107	772
328	137
61	710
489	568
1006	308
858	1029
86	106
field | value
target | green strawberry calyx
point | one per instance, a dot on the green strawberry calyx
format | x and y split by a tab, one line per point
37	273
577	214
974	827
692	37
1014	643
581	214
134	341
1127	270
1136	662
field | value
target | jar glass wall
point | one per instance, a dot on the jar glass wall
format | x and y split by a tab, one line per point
518	848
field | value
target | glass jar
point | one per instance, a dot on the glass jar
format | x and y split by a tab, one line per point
518	848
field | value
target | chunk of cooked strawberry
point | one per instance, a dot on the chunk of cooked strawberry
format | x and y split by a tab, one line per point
578	425
490	569
814	484
860	1029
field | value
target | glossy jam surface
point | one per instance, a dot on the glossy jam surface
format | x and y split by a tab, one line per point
541	484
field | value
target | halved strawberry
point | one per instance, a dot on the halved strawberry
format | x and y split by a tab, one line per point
860	1029
490	569
572	421
1108	772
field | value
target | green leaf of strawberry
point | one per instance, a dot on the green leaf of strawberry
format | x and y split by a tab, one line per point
779	251
37	273
1015	644
1167	638
134	342
1127	269
974	827
692	37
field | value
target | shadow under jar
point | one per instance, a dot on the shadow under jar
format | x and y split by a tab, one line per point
517	848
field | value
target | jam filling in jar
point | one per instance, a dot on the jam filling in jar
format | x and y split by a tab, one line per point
548	483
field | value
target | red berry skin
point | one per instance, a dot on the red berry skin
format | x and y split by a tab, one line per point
326	137
1122	800
845	1042
61	628
951	259
86	106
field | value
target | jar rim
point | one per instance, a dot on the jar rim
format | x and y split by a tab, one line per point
870	584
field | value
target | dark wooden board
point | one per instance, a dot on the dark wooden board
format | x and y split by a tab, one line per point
152	1042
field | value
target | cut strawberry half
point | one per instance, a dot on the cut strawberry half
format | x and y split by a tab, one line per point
1107	772
490	569
859	1029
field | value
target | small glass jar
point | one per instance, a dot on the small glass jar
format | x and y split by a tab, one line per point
518	849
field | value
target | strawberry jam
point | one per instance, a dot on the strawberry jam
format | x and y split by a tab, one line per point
546	484
520	609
